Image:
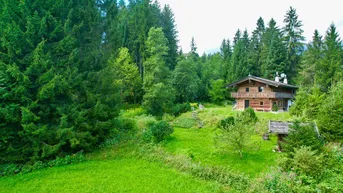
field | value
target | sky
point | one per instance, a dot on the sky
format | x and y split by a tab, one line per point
209	22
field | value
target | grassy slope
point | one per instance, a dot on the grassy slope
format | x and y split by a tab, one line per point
122	175
200	142
108	172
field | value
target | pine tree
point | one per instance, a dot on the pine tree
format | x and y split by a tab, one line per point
255	50
226	54
126	76
330	116
239	61
236	57
158	94
49	56
169	29
194	48
294	41
142	16
310	61
274	52
330	66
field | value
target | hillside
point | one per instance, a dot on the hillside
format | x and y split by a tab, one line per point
125	167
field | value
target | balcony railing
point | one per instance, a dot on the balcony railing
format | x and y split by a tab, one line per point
261	95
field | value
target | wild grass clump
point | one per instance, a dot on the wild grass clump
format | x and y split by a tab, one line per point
131	113
183	163
144	120
184	122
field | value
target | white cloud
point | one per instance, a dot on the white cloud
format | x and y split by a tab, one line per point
212	21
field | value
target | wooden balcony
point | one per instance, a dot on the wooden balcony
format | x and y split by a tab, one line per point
277	95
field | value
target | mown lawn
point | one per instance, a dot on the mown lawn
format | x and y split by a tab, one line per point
122	175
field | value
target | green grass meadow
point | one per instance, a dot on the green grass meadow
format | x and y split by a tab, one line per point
122	175
199	144
114	169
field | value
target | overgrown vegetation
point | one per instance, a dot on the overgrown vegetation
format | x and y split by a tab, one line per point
236	132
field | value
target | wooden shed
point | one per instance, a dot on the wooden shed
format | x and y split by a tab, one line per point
281	129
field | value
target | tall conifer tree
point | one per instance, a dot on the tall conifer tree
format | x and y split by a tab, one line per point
294	41
330	67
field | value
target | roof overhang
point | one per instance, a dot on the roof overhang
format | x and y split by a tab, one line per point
262	80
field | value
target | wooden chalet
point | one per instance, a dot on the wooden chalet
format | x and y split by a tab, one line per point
261	94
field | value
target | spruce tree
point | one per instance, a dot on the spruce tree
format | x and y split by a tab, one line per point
330	67
310	61
169	29
226	54
331	112
239	61
194	49
158	94
294	41
255	50
50	64
274	52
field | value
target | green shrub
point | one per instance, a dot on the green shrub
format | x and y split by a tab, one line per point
125	124
226	123
330	119
177	109
236	133
307	162
301	135
168	117
130	113
160	130
275	107
250	115
144	120
307	171
11	169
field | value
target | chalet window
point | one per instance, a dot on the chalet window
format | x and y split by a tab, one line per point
260	89
246	89
261	103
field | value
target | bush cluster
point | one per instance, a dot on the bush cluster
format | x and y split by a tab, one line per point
177	109
158	131
309	171
306	166
11	169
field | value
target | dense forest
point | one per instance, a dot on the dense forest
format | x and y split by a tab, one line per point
68	67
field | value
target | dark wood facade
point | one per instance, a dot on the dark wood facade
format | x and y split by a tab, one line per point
261	94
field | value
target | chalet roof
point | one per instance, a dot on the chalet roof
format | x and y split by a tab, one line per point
279	127
262	80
